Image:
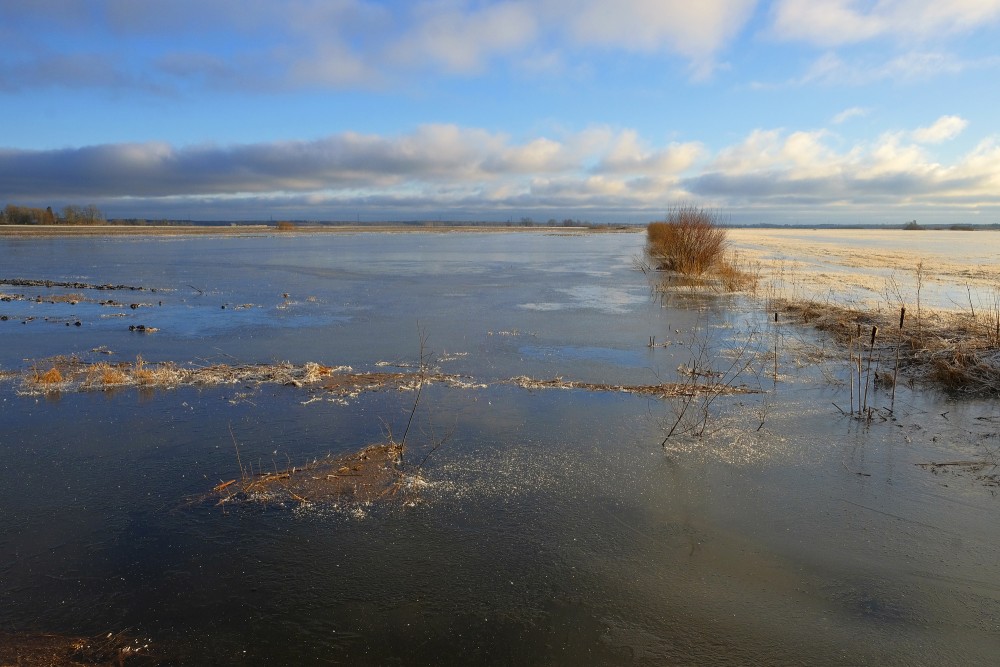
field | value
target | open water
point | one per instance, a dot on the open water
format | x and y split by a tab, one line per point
554	528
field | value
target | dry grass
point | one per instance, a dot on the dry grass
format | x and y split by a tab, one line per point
360	477
73	374
49	378
104	374
737	275
956	352
690	241
68	374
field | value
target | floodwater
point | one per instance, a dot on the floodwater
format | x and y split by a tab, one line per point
552	526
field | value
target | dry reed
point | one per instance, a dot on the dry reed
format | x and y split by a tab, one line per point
956	352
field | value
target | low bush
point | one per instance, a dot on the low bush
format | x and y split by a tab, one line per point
690	241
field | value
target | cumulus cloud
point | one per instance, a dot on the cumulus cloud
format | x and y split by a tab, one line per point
782	169
837	22
943	129
628	154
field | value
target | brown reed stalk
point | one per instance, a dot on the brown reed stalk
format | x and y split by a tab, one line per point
860	354
899	341
850	369
868	371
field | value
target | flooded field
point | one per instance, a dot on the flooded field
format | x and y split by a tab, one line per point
496	448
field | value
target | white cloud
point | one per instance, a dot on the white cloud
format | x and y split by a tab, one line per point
830	69
943	129
462	40
627	154
849	114
696	30
838	22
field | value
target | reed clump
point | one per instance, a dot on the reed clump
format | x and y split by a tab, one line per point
955	352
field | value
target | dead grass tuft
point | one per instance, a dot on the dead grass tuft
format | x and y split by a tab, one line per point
951	351
50	377
104	374
737	276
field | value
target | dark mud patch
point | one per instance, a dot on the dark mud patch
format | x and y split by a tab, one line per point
24	282
45	650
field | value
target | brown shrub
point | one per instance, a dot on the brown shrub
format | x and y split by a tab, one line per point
689	241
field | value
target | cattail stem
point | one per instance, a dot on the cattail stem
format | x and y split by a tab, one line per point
860	348
899	341
868	370
850	370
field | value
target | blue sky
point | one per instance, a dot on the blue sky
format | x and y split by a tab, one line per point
790	111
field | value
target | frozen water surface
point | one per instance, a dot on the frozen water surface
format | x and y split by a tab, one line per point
551	527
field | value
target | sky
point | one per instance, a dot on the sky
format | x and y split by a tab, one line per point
783	112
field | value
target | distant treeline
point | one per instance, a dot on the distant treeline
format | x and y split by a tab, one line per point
70	215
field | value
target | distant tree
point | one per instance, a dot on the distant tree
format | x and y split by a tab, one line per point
23	215
527	222
912	225
82	215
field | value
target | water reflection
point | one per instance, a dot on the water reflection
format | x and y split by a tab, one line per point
554	528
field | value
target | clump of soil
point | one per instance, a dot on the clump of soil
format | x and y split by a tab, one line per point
358	478
44	650
25	282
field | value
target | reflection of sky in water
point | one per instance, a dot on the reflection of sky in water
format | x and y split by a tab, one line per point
554	521
605	299
575	353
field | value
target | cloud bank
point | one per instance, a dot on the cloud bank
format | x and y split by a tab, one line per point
440	170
